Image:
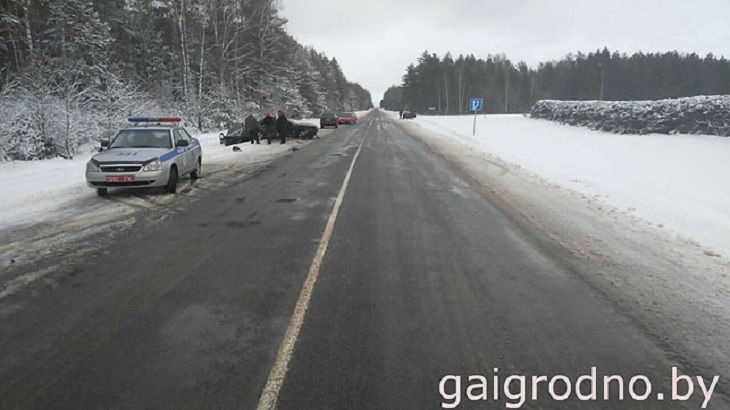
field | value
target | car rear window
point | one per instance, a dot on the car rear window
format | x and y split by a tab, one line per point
142	139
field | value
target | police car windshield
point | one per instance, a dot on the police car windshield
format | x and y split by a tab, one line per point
142	138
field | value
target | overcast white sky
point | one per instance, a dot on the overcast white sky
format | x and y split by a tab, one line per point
375	40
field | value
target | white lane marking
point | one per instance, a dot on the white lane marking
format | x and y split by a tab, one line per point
270	394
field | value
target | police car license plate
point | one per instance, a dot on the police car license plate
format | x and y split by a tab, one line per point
120	178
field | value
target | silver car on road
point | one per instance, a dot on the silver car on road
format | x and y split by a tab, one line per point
154	152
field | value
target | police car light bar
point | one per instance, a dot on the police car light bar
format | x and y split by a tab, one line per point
160	119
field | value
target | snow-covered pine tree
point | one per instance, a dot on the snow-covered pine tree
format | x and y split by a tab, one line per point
80	67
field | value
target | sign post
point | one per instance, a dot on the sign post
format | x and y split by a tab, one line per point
476	105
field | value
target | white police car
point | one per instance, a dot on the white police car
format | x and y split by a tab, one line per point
154	152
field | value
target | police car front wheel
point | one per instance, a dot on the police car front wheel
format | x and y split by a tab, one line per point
171	186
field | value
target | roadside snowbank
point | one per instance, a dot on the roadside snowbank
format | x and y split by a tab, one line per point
691	115
677	182
31	188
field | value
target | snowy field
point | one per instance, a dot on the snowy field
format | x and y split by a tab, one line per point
35	188
676	182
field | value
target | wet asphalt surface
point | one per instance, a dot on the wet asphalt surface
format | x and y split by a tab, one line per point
424	277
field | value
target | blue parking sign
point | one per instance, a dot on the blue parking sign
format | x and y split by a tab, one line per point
475	105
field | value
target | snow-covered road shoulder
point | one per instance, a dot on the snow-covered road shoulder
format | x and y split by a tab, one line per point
35	191
675	182
48	211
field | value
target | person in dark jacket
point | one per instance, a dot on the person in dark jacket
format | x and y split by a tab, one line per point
268	127
252	129
282	126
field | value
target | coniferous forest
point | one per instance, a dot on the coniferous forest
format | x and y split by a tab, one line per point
72	70
447	83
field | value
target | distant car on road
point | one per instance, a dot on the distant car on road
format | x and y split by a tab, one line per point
328	119
347	118
408	115
154	152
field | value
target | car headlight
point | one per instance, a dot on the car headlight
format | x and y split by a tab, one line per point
155	165
92	167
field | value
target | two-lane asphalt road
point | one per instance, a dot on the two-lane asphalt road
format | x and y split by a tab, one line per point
423	277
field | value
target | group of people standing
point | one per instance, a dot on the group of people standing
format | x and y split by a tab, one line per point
270	127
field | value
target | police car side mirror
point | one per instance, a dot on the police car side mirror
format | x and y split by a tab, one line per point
182	143
104	143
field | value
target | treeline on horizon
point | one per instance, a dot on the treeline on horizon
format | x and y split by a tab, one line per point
71	70
447	83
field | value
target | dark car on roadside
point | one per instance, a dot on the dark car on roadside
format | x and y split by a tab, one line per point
408	115
302	130
236	132
348	118
328	119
